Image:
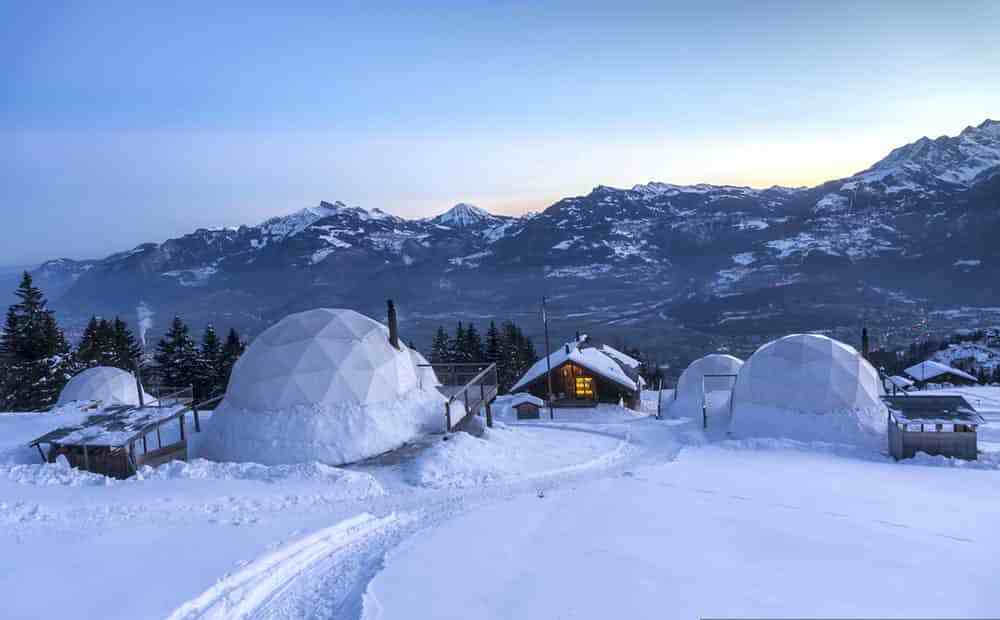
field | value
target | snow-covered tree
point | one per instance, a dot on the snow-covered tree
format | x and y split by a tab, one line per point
440	347
33	352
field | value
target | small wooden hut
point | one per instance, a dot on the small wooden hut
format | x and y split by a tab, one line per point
528	406
119	440
944	425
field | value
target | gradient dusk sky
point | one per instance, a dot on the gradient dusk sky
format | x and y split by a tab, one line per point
126	122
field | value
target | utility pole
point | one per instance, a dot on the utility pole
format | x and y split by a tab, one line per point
548	360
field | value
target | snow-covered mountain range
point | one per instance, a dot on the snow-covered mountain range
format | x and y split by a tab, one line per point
917	228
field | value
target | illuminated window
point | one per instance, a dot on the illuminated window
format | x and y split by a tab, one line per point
585	387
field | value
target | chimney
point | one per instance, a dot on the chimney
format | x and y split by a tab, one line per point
864	342
567	348
578	335
393	325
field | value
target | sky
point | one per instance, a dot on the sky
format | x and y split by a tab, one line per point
125	122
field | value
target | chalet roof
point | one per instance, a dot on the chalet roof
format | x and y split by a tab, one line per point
113	426
900	381
628	360
933	409
590	357
930	369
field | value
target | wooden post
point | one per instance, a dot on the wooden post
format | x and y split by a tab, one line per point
489	415
159	440
45	459
447	416
182	426
197	422
659	400
145	447
86	458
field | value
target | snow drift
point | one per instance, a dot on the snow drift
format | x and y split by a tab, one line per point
808	387
110	386
323	385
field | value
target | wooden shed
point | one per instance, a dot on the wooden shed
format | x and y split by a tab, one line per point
527	406
937	425
119	440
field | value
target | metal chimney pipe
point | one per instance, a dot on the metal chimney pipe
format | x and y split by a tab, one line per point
393	325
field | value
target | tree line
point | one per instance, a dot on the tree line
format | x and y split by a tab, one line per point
506	346
36	360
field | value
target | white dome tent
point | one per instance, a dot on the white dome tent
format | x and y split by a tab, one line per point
106	384
697	385
322	385
808	387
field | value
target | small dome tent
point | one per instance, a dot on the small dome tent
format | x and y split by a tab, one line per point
694	386
808	387
109	385
323	385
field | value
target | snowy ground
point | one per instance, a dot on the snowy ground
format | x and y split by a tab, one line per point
595	514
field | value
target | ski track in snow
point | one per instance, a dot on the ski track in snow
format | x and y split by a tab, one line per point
326	574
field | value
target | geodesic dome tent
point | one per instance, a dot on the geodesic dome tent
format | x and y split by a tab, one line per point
426	377
111	386
322	385
693	380
694	387
809	387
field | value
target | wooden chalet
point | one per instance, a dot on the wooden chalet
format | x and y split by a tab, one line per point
117	441
583	375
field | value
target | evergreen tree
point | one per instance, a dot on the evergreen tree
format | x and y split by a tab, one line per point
440	347
231	351
88	349
491	351
457	346
177	356
125	349
33	352
209	364
472	345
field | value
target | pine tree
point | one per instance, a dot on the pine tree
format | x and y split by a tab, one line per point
472	346
125	349
209	364
231	351
440	346
177	356
33	351
491	351
457	346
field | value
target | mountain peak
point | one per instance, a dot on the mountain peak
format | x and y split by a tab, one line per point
463	215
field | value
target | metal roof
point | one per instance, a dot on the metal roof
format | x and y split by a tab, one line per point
932	409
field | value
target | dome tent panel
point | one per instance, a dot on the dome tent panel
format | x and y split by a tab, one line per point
808	387
323	385
694	389
111	386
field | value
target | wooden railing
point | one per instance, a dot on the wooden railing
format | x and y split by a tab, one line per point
469	388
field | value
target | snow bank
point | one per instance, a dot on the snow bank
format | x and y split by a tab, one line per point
810	388
508	452
58	474
323	385
201	469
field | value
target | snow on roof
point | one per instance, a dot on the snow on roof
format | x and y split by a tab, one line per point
522	398
628	360
900	382
948	409
112	427
930	369
591	358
